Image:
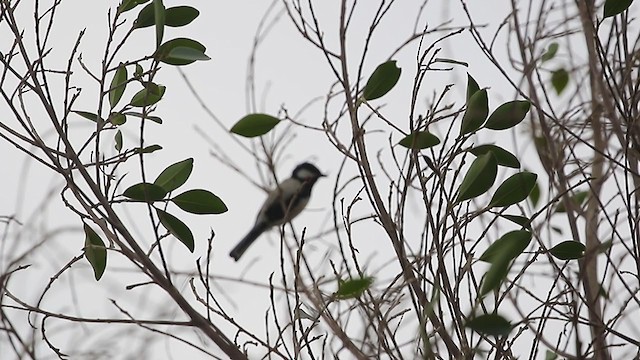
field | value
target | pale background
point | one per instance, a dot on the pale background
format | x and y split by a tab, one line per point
290	73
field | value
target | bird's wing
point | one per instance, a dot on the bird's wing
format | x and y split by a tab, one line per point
281	205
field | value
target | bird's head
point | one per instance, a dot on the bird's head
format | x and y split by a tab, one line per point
306	172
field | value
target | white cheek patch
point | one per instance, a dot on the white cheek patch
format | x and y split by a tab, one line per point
305	174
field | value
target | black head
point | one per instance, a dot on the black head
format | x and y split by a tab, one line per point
306	172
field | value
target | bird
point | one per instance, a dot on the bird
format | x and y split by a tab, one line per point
282	204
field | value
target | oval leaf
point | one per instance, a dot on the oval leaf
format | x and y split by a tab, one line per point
174	16
383	79
118	85
568	250
164	52
508	115
95	251
155	119
186	54
523	221
503	157
137	73
419	140
513	190
479	177
180	15
127	5
159	12
88	115
148	149
146	17
175	175
615	7
472	86
507	247
118	141
353	288
254	125
490	324
148	96
145	192
495	276
177	228
534	195
476	114
551	52
200	202
117	118
559	80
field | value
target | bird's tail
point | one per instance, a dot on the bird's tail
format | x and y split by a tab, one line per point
244	244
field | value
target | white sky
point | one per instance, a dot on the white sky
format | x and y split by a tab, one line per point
290	73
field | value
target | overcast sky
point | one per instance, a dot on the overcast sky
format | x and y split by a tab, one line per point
290	73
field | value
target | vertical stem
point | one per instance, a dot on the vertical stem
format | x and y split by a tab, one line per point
589	264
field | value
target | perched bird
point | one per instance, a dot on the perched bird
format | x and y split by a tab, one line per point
282	204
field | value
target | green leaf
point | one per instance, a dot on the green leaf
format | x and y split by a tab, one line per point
479	177
559	80
200	202
138	72
150	95
174	16
254	125
148	149
118	140
145	192
95	251
496	274
177	228
534	195
490	324
602	292
504	157
117	118
353	288
87	115
419	140
118	85
155	119
127	5
568	250
615	7
508	115
472	86
476	114
159	15
550	355
523	221
578	199
551	52
180	15
383	79
165	52
605	246
175	175
513	190
146	17
507	247
186	54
